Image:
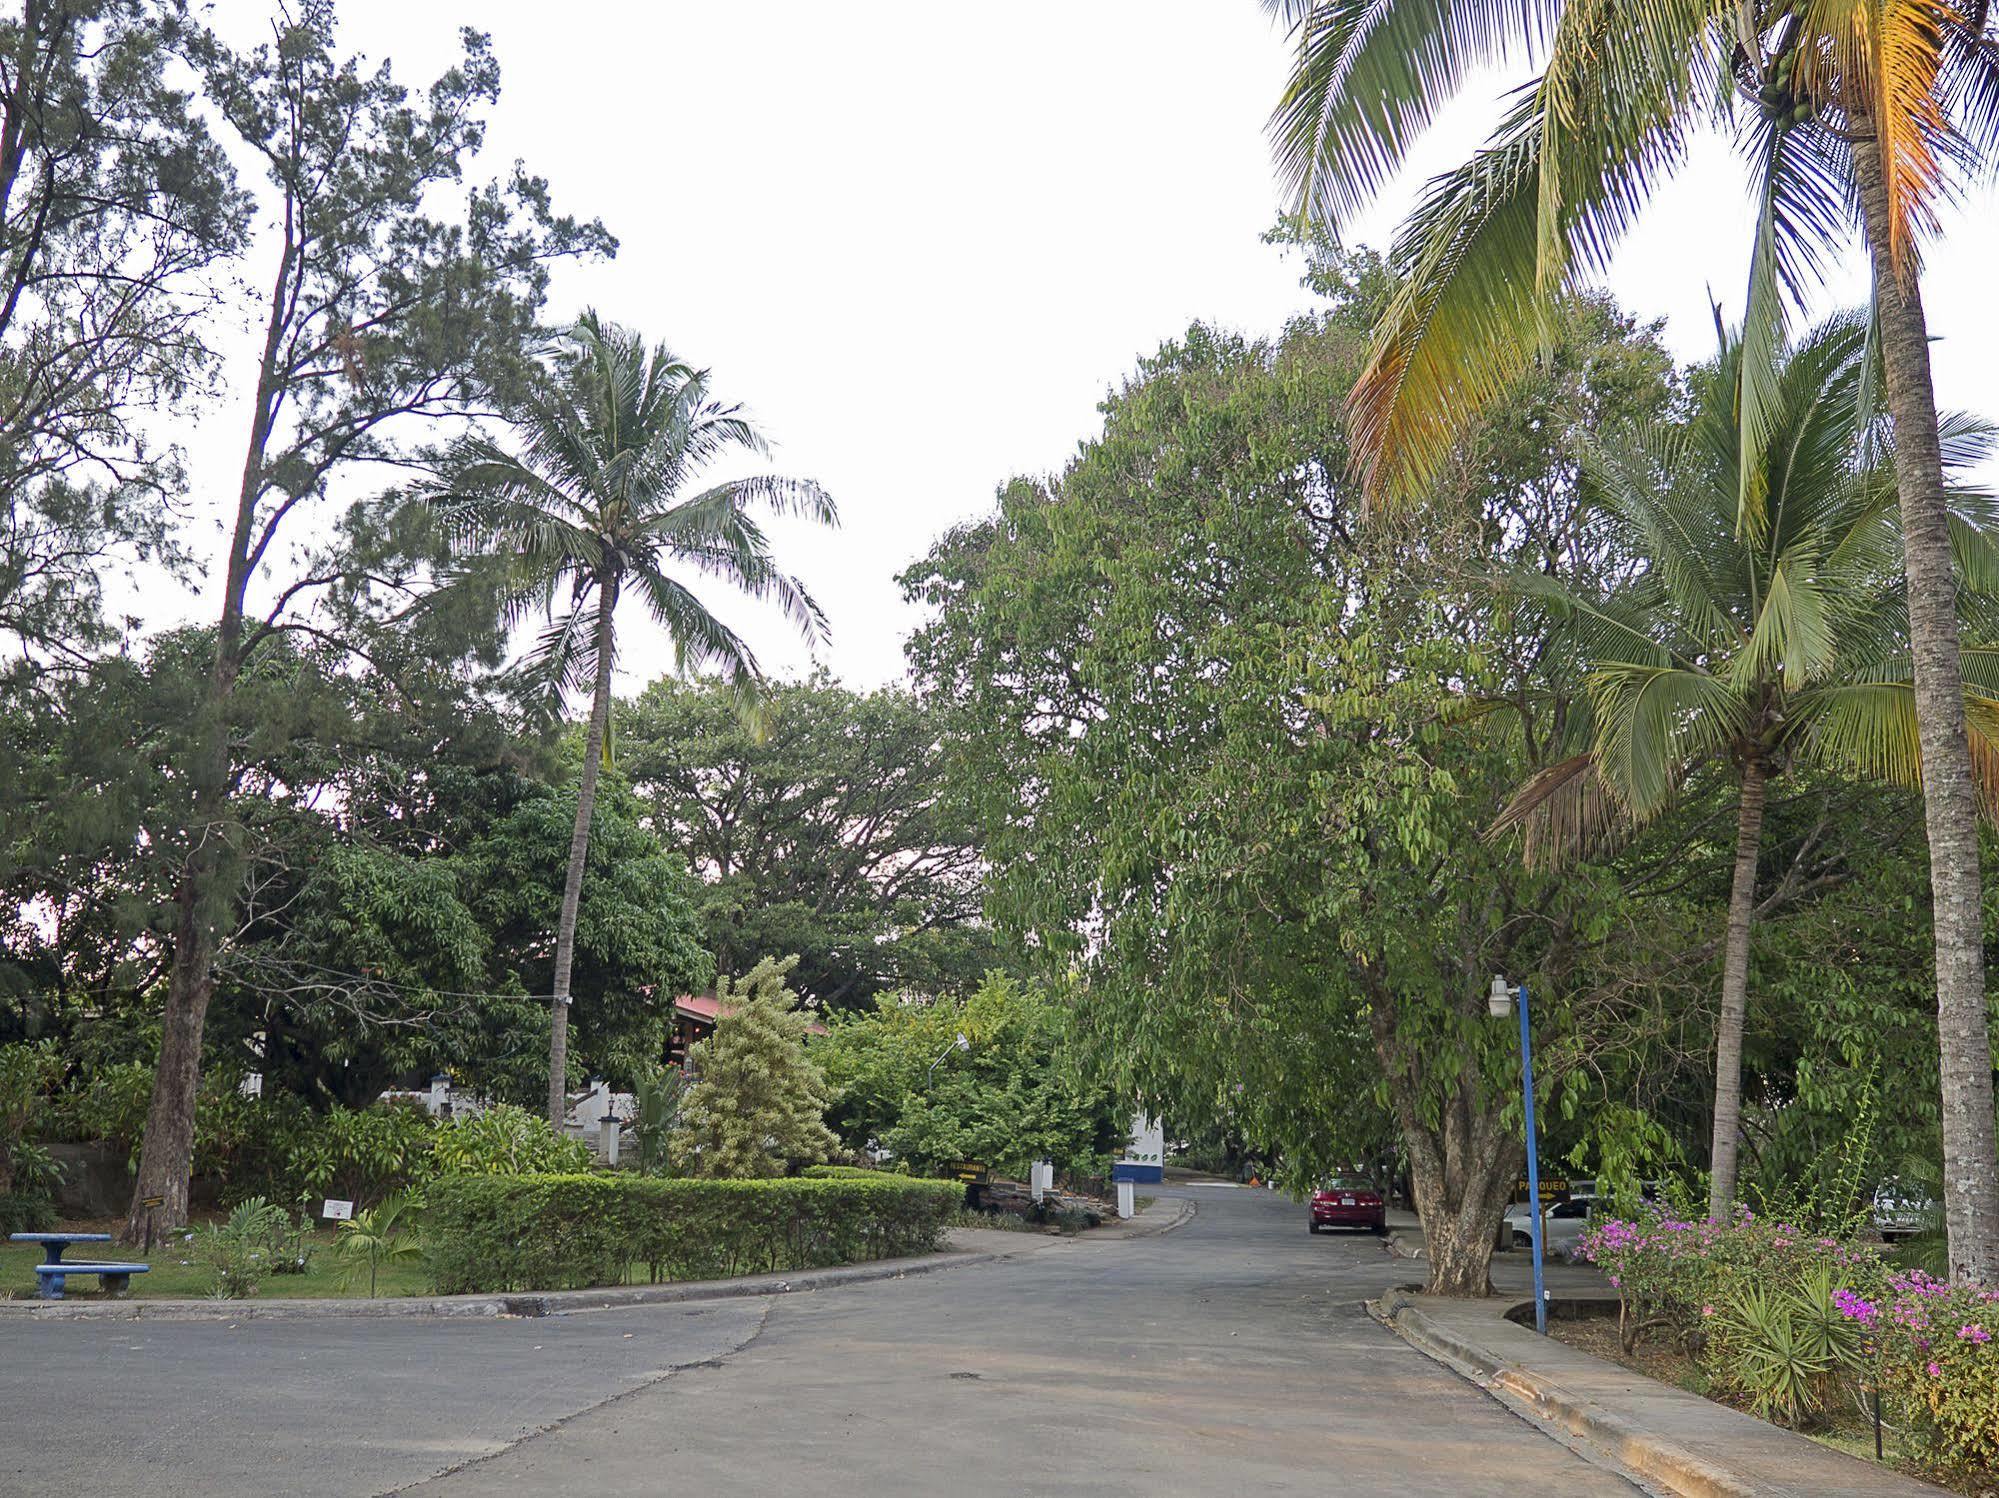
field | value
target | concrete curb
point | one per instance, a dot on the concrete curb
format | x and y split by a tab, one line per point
547	1303
1183	1213
1676	1469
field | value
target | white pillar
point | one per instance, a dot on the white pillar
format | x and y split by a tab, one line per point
607	1139
1126	1206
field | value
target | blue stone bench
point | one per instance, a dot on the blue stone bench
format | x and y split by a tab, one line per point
116	1278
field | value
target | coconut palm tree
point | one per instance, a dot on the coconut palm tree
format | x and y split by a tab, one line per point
599	492
1764	648
1852	113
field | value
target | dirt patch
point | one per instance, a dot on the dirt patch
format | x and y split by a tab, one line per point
1654	1357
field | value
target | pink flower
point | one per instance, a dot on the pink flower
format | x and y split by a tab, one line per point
1935	1371
1971	1331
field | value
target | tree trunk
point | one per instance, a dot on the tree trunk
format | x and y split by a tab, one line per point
1950	801
579	850
1461	1171
1735	993
205	891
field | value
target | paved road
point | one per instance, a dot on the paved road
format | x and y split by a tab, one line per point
1230	1356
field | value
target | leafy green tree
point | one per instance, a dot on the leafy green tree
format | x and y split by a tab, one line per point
636	943
115	206
1011	1094
828	828
383	317
1777	647
1848	111
1231	780
603	491
757	1103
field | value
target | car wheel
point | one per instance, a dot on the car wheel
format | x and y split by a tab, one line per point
1380	1229
1312	1227
1521	1240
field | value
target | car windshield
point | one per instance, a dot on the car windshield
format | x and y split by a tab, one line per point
1348	1183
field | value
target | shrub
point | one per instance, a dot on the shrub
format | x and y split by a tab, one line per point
757	1105
1935	1358
1783	1319
504	1140
360	1154
28	1174
850	1173
657	1099
239	1251
552	1232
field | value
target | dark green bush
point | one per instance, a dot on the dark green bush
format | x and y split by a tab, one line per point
564	1232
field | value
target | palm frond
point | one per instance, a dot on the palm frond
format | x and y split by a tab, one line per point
1800	203
1652	721
1368	77
1564	813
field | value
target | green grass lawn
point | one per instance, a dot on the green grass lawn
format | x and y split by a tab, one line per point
178	1275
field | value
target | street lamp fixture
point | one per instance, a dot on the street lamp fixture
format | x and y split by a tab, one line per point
959	1044
1498	1000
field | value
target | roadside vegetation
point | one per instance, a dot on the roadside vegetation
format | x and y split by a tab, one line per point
1456	629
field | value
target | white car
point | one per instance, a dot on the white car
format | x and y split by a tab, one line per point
1562	1224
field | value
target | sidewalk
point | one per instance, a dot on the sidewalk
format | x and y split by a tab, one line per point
1684	1443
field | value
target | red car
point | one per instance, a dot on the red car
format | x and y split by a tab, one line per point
1349	1202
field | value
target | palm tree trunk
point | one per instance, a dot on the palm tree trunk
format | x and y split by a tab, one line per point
579	849
1950	800
1735	992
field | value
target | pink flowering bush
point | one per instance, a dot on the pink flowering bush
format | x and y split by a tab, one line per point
1934	1355
1787	1320
1684	1273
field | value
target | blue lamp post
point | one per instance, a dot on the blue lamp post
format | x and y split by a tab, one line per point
1499	999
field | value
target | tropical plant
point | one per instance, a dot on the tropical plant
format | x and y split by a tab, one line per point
239	1251
503	1139
657	1100
1848	109
385	1234
1761	648
757	1104
596	495
27	1070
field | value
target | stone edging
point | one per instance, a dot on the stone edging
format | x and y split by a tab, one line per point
548	1303
1678	1470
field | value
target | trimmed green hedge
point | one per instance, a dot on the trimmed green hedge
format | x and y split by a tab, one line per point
849	1173
567	1232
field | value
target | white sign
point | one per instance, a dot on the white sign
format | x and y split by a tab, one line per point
1148	1142
335	1211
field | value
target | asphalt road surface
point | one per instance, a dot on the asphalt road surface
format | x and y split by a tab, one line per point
1231	1356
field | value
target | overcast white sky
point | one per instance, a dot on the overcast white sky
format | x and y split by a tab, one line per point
921	240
